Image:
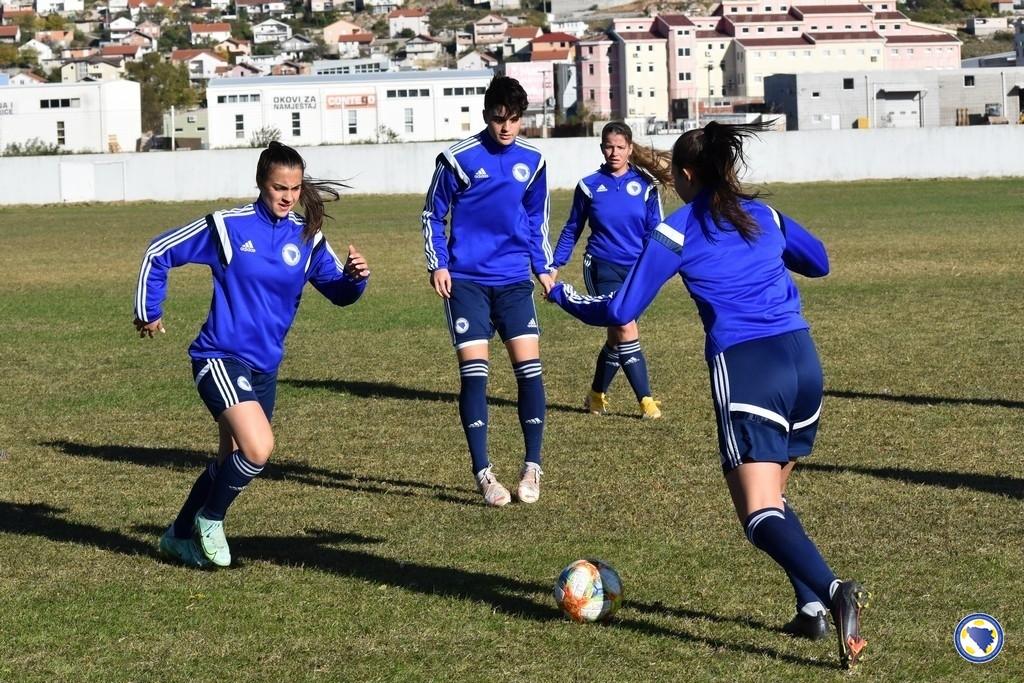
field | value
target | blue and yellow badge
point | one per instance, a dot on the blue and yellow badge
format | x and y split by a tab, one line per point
978	638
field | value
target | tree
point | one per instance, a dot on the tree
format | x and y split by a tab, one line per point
54	22
163	85
174	35
9	55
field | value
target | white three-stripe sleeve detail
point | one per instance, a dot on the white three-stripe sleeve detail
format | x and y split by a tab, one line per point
428	213
317	239
222	236
158	249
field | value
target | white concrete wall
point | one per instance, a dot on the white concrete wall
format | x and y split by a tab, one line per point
796	156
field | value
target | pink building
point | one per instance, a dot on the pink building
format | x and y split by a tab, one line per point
934	51
595	57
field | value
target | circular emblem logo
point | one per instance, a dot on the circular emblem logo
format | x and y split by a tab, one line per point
243	384
633	187
291	254
521	172
978	638
461	325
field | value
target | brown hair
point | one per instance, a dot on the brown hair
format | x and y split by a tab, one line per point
314	191
715	155
657	165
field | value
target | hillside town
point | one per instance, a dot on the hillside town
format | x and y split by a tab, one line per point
126	75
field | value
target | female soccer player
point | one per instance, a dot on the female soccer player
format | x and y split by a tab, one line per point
261	255
494	184
621	204
734	255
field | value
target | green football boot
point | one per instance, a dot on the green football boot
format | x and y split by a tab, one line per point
209	536
182	550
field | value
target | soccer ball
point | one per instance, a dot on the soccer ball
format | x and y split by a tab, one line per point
588	590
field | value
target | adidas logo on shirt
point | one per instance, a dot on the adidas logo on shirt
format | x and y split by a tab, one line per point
475	425
532	323
248	247
481	174
602	188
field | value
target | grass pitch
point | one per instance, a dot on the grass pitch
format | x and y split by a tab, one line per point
363	552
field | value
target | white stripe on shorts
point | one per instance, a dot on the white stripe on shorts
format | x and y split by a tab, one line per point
223	382
720	392
762	412
809	421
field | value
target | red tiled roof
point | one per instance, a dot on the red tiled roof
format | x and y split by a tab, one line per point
760	18
845	35
891	15
556	37
356	38
522	32
711	35
676	19
550	55
119	50
9	31
832	9
639	35
186	55
929	38
772	42
216	27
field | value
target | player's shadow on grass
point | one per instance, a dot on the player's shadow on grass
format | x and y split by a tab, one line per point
388	390
926	400
44	521
1011	487
318	550
180	458
503	594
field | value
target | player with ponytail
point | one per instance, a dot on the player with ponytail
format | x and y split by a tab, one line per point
621	203
261	256
735	256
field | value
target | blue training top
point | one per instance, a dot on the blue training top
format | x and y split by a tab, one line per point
260	264
621	211
743	290
498	198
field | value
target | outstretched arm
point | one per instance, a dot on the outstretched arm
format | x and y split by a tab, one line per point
659	261
804	254
341	283
573	226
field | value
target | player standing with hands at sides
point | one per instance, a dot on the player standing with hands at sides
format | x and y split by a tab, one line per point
621	204
494	186
261	256
734	255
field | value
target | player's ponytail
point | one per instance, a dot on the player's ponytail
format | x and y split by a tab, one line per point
655	164
314	191
715	155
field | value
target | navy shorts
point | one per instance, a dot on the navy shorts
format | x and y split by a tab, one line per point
475	312
602	277
224	382
767	395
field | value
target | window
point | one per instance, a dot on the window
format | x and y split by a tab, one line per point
639	93
590	69
254	97
744	30
447	92
611	94
650	48
968	81
221	99
191	118
60	103
685	76
639	67
239	126
760	29
60	133
847	84
591	94
684	52
650	68
232	99
590	50
631	90
243	98
652	92
874	59
408	121
815	93
353	121
296	124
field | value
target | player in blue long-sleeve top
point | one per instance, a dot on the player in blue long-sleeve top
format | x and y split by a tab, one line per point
621	204
261	256
734	255
493	186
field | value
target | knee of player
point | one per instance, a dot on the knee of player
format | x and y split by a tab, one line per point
258	453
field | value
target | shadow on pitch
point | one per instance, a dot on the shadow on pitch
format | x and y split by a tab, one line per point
1011	487
388	390
926	400
318	550
187	459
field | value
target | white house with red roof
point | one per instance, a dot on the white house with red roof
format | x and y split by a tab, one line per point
415	20
215	32
517	39
203	64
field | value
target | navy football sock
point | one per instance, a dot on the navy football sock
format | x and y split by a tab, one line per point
633	363
235	474
785	541
805	597
473	409
196	497
605	369
531	406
